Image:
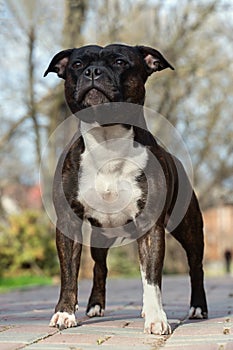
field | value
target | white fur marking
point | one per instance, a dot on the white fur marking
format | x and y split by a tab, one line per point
195	313
95	311
155	318
110	164
86	232
63	320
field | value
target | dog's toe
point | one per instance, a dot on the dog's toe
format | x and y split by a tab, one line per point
157	324
158	328
197	313
63	320
95	310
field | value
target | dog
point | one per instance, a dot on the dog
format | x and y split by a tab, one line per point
109	163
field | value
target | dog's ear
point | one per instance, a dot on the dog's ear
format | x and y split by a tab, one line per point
154	59
59	63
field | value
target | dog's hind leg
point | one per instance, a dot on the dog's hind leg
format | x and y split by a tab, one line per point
190	234
96	303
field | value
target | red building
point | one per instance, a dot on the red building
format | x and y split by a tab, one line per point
218	227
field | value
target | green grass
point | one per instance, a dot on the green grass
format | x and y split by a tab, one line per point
21	282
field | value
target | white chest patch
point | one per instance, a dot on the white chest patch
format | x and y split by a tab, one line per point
110	165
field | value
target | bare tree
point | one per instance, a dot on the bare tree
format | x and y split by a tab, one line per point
27	25
75	16
196	38
29	17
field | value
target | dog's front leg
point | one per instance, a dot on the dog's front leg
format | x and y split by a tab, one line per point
96	303
151	254
69	252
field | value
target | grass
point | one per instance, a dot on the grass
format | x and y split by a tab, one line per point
21	282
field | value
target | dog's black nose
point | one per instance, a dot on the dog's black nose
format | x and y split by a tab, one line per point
93	72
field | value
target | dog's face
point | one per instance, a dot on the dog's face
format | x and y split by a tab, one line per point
115	73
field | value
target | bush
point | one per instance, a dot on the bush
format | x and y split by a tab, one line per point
28	245
123	261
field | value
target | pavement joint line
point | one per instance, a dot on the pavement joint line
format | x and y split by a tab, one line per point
24	346
123	323
5	328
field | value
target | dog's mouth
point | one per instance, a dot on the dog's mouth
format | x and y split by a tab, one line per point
95	97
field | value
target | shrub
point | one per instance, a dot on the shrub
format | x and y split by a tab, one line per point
27	245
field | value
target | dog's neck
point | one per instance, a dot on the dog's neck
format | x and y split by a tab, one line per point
94	134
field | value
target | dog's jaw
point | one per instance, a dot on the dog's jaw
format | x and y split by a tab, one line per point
94	97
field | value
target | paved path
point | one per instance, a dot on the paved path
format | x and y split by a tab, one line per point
24	318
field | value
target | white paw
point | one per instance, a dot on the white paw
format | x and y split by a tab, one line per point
157	325
195	312
63	320
155	318
95	311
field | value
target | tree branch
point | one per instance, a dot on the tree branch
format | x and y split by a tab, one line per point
8	135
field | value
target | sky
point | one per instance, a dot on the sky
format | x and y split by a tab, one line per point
13	43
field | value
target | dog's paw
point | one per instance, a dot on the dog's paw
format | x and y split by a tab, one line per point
63	320
157	325
95	310
197	313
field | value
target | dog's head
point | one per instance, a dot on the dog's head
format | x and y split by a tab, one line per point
116	73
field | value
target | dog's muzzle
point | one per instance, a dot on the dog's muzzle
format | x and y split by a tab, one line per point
95	87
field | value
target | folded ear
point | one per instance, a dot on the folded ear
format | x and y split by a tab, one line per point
59	63
154	59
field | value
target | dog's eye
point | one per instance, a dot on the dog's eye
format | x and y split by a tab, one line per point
77	64
120	62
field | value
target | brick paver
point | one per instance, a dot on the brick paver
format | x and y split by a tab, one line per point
25	314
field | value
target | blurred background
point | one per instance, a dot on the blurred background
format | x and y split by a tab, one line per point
197	39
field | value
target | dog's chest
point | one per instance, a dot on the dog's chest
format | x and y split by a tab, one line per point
108	176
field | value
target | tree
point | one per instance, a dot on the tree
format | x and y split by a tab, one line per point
194	36
29	115
21	118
